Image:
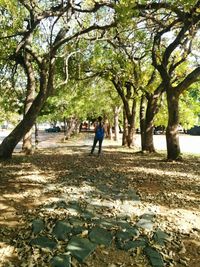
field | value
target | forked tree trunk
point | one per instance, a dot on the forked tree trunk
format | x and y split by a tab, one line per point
129	113
172	137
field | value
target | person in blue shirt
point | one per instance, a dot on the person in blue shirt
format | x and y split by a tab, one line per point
99	136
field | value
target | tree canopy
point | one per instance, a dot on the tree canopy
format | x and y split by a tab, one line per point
64	54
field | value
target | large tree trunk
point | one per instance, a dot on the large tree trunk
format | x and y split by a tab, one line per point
27	143
131	132
129	114
65	128
72	127
131	124
172	137
116	122
125	129
46	86
142	121
152	109
30	93
36	136
10	142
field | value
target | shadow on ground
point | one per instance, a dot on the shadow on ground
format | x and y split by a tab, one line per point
119	192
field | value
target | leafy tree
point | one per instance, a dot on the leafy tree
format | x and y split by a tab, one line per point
174	27
42	23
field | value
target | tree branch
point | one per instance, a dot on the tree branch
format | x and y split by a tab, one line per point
34	55
189	79
163	5
82	32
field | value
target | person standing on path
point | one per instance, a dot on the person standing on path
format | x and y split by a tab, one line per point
99	136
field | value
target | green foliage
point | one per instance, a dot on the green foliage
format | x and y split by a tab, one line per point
8	111
125	11
189	109
11	20
104	59
83	99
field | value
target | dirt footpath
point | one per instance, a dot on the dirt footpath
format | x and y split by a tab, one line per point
189	144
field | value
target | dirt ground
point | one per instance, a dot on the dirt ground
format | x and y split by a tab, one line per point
65	171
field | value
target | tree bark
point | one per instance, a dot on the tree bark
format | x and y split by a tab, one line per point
36	136
129	103
116	122
172	137
30	92
125	129
152	109
142	121
46	86
72	126
131	126
10	142
65	128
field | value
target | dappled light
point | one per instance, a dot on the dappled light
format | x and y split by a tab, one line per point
121	186
99	108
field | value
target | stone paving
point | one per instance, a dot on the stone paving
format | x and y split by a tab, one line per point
82	231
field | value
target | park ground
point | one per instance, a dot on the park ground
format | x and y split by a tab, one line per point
60	181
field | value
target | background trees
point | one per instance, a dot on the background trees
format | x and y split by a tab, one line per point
43	30
174	29
78	53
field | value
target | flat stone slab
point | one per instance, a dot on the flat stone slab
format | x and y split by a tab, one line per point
37	226
62	230
161	237
146	222
133	231
77	225
123	224
124	236
154	257
106	223
100	236
43	242
80	248
61	261
142	242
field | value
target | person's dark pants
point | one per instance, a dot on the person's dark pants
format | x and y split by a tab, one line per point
95	143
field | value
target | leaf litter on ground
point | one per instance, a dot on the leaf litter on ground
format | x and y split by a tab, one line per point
100	186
